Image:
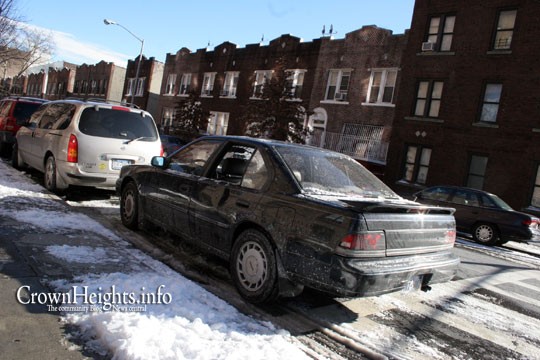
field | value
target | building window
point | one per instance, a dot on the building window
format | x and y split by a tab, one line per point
171	81
76	87
490	104
208	83
535	201
230	84
185	84
417	164
441	32
382	85
428	98
295	82
105	85
140	87
261	76
130	86
477	171
337	88
93	87
505	29
218	123
168	117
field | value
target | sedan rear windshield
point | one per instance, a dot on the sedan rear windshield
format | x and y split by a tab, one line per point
117	124
322	172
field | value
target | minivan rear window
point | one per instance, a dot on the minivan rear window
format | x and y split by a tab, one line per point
117	124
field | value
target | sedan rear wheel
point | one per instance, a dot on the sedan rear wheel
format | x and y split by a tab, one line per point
50	174
129	206
253	267
486	234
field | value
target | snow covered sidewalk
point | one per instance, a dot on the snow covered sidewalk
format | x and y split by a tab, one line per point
123	303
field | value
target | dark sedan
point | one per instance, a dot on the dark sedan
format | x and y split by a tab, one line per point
287	216
485	216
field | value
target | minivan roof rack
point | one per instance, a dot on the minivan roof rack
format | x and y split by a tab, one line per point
123	103
18	97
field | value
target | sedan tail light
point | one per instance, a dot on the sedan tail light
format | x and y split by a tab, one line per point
368	243
532	222
73	149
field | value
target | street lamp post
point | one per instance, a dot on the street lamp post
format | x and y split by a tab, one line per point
112	22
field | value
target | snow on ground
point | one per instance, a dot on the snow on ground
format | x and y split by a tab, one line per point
145	315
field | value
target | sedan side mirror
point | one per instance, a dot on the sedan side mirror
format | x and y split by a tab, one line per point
158	161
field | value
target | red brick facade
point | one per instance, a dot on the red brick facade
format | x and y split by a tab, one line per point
486	132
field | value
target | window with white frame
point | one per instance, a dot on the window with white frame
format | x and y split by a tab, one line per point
337	88
171	81
208	83
230	84
490	104
295	82
477	171
535	200
218	123
130	86
428	98
416	165
382	85
505	30
261	76
140	87
441	32
185	84
168	117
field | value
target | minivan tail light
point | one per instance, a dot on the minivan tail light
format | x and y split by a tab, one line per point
73	149
161	152
368	243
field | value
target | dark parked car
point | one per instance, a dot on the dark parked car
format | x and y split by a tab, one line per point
287	216
14	112
171	143
485	216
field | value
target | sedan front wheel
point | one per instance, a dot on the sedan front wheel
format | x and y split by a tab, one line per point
253	267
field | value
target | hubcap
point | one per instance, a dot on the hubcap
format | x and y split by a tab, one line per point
128	205
484	233
252	266
49	173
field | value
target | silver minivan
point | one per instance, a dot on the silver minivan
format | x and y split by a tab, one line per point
85	143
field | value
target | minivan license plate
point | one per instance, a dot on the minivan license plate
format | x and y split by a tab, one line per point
117	164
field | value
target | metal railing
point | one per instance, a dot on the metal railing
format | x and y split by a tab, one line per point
365	145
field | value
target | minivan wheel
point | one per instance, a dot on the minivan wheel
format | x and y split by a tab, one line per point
253	267
486	234
50	174
129	206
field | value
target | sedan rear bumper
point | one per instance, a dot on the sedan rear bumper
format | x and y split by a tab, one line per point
352	277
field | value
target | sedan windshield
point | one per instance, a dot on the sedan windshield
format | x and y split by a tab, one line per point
322	172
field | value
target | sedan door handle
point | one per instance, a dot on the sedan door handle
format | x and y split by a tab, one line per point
243	204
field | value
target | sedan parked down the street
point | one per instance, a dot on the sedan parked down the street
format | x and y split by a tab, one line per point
85	143
485	216
287	216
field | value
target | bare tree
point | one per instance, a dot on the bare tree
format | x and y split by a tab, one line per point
20	46
191	118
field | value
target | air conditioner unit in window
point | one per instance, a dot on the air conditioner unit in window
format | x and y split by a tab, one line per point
428	46
340	96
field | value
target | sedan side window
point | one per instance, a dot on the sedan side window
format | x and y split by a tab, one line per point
193	159
438	194
256	173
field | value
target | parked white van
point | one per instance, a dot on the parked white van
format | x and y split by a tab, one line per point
85	143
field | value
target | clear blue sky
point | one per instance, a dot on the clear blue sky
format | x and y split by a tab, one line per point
168	25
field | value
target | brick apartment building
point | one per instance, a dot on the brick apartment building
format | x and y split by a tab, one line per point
227	77
147	90
348	86
103	80
467	112
60	82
